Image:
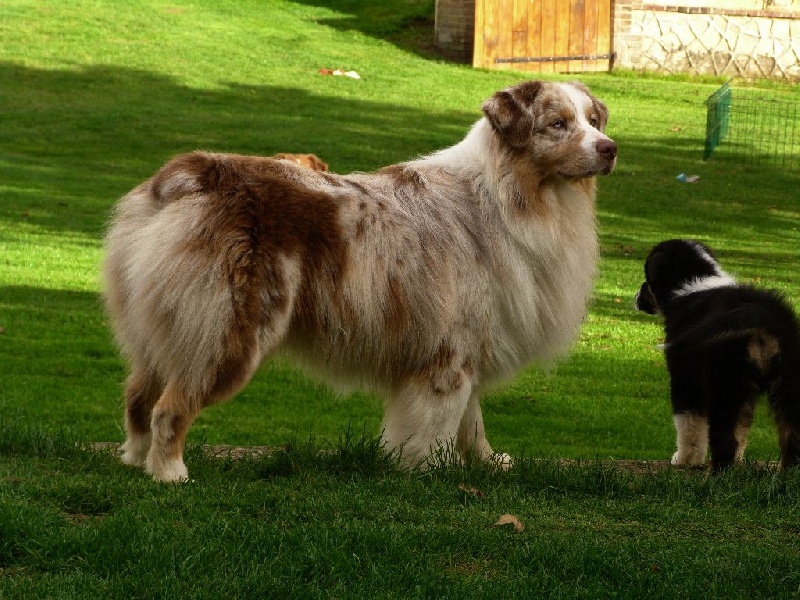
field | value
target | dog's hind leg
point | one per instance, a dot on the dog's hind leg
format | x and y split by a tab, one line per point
172	416
784	400
142	391
743	427
728	409
472	436
179	405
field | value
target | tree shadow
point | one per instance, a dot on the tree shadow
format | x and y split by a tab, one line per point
407	24
91	133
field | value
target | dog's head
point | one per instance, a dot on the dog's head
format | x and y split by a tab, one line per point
676	267
560	126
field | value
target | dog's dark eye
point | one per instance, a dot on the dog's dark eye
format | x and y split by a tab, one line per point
558	124
594	121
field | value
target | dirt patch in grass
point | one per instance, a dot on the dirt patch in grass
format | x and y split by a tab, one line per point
634	466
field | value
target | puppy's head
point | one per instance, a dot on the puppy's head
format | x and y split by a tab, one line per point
671	267
558	126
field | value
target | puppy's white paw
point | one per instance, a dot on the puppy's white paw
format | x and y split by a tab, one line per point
690	459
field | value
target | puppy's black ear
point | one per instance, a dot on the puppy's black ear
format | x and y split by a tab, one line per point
704	248
509	112
656	266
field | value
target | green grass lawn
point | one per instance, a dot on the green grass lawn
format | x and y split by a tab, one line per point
344	523
95	96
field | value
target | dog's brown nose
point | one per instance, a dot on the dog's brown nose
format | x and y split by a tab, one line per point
607	148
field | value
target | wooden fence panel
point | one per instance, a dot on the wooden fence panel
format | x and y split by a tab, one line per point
543	36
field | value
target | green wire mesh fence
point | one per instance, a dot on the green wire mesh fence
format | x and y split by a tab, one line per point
758	126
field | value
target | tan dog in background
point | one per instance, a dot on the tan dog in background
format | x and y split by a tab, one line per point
312	161
427	280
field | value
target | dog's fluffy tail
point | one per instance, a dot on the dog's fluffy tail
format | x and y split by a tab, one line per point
190	174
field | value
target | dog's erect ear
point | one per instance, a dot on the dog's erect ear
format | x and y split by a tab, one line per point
509	112
655	266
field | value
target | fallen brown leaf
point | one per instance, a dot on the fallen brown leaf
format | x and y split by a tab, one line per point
508	519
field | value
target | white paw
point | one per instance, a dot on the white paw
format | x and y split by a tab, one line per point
134	452
170	471
690	459
502	460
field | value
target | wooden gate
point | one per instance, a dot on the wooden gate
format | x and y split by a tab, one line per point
543	36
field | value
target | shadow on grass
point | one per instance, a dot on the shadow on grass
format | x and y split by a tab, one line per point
51	341
408	24
94	132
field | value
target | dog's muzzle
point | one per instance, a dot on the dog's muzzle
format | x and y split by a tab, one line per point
644	300
607	149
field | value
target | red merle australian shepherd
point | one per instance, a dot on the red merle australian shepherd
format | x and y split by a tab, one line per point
725	345
426	280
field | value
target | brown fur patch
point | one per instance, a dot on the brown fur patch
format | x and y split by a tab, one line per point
762	348
141	393
253	216
508	113
405	178
442	372
274	217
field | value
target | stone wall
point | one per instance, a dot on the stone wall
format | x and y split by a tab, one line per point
747	38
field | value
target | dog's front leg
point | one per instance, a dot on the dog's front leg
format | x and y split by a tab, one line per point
141	393
422	419
692	430
472	436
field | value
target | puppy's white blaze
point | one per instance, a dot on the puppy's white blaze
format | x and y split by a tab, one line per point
692	440
701	284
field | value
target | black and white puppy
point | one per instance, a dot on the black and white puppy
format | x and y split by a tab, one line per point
725	345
